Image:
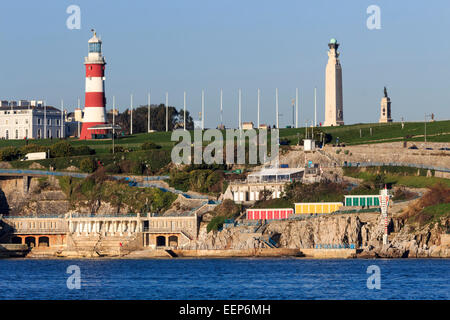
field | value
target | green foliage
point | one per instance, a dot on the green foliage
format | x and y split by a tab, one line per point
199	180
437	131
61	149
158	119
82	151
406	176
29	148
10	153
88	165
431	207
274	203
98	187
226	210
149	145
118	149
215	224
43	183
315	192
113	168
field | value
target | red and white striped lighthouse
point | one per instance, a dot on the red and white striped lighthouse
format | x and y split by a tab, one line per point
95	101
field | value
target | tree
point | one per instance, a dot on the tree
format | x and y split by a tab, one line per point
157	119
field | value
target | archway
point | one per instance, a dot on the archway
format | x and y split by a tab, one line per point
161	241
30	241
173	241
44	242
16	240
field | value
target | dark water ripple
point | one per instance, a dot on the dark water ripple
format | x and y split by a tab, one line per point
225	279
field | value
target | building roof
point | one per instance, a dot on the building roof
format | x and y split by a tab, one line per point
106	126
275	172
14	108
94	38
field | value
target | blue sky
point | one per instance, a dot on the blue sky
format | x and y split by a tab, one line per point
190	45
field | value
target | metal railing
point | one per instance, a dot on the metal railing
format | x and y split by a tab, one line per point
394	164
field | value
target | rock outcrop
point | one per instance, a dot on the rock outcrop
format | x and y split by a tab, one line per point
365	231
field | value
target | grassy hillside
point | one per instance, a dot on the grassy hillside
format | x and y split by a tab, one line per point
438	131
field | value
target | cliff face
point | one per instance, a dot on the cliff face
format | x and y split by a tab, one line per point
41	198
46	198
365	231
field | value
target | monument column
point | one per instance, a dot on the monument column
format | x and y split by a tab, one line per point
334	109
385	112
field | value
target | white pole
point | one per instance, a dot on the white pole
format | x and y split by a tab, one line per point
203	109
81	118
240	106
149	112
315	107
167	111
276	106
184	107
62	119
114	122
259	105
296	107
131	107
45	120
221	107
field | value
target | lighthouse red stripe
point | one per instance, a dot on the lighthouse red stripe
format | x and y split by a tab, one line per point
95	70
95	99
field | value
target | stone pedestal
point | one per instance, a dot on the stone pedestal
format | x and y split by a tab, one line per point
385	112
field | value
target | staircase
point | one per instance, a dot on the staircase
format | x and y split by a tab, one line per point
268	242
97	244
171	253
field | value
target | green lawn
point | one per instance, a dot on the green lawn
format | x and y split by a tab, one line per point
407	178
438	131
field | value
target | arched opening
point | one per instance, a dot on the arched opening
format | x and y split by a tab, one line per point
161	241
173	241
16	240
44	242
30	241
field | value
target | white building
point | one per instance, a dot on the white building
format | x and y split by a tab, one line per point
31	123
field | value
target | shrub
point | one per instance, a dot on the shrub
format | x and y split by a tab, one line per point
118	149
215	224
82	151
10	154
149	145
113	168
137	167
88	165
61	149
32	148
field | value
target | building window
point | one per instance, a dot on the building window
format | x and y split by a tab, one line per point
7	134
17	134
39	134
26	133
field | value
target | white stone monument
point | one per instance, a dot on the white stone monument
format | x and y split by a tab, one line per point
334	109
385	112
